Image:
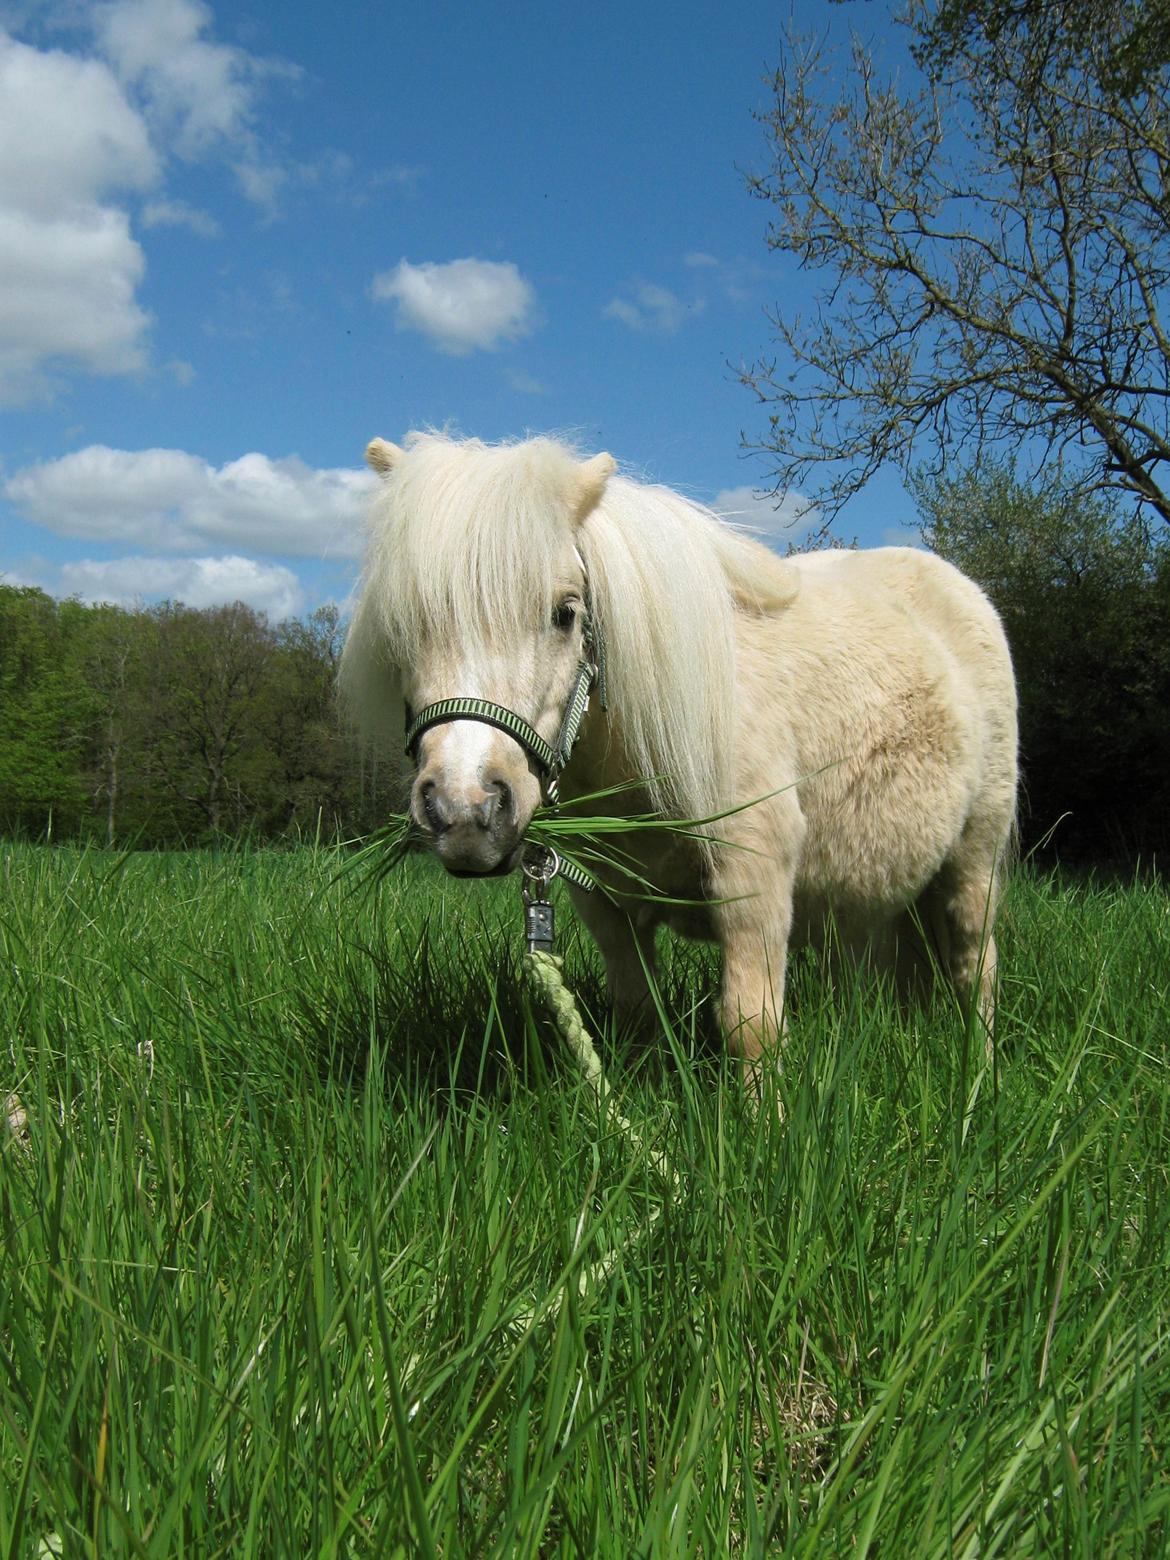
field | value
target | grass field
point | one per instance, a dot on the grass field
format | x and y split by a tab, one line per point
294	1229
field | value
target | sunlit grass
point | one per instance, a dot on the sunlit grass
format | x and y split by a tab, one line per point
293	1226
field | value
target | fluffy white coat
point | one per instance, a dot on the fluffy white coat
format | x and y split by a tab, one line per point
866	697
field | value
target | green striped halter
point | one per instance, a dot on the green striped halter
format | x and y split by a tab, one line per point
550	758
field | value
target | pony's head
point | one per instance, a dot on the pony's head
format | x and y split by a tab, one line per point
475	590
483	564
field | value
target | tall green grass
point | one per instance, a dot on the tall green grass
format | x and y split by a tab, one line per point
293	1233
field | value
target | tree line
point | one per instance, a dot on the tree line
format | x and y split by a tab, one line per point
169	725
1082	584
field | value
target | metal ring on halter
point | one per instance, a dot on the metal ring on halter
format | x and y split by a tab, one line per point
541	876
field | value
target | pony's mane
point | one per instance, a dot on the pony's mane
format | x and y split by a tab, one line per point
667	578
468	536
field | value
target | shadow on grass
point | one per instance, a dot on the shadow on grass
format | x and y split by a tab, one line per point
445	1006
454	1016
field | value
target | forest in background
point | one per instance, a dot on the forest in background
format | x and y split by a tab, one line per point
171	726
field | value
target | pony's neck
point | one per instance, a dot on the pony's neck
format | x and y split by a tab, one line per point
600	761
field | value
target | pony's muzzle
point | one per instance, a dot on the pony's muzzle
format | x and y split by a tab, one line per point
481	810
474	828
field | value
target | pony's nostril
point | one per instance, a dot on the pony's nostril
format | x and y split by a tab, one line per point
502	796
432	805
496	805
449	814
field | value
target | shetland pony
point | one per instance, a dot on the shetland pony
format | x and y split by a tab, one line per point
863	703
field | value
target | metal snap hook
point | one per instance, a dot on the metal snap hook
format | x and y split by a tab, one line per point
539	865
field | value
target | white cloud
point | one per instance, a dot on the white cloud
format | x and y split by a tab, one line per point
68	296
199	582
787	518
80	132
262	181
738	280
652	308
199	93
170	499
177	213
69	139
68	135
621	309
462	306
526	384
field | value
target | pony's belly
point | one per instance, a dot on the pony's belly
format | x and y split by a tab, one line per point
693	921
871	872
880	824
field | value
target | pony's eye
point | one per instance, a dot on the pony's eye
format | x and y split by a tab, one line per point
564	615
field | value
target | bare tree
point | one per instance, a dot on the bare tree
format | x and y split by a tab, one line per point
994	243
1124	42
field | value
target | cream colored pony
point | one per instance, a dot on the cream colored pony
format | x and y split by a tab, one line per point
866	696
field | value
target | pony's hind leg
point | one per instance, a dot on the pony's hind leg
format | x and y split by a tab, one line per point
961	904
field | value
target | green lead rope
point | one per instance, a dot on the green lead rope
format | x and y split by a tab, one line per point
544	974
543	970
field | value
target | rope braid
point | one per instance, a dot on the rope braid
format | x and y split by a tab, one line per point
544	974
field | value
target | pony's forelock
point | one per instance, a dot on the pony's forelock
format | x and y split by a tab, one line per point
465	539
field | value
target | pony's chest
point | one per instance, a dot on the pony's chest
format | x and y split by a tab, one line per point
675	891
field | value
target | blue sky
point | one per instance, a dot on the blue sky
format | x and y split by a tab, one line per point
238	241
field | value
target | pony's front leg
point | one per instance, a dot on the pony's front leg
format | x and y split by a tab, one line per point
755	958
752	891
627	950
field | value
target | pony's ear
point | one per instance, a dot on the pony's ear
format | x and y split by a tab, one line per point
592	476
382	456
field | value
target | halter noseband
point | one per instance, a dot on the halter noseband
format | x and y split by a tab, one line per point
550	758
